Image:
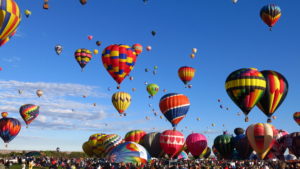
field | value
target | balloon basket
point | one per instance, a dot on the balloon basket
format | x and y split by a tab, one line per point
269	120
27	126
118	87
246	119
6	145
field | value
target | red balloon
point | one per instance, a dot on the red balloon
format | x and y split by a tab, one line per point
171	141
196	143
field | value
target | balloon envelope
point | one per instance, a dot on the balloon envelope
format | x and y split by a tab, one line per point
171	141
29	112
186	74
135	136
196	143
296	117
9	128
224	145
151	142
121	101
270	14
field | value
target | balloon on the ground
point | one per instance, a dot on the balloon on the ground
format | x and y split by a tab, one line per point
171	141
129	152
261	138
279	146
182	155
135	136
243	148
109	142
9	127
83	57
275	93
151	142
270	14
224	144
293	143
245	87
29	112
205	153
121	101
174	107
87	149
196	143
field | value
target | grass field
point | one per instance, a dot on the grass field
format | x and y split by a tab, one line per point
17	166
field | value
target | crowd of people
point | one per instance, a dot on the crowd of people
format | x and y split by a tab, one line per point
95	163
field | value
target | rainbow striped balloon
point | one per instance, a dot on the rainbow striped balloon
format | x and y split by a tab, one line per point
186	74
174	106
29	112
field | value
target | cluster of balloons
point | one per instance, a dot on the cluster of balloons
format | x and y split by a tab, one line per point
248	87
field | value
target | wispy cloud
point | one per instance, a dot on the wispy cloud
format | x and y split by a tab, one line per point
11	59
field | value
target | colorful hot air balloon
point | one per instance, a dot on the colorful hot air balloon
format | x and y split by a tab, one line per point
297	117
119	60
39	93
275	93
121	101
58	49
224	144
27	13
46	5
129	152
10	19
245	87
205	153
87	149
279	146
174	107
138	48
4	41
196	144
109	142
261	138
29	112
152	89
95	142
135	136
9	127
270	14
83	2
151	142
171	141
194	50
186	74
182	155
98	43
148	48
293	143
83	57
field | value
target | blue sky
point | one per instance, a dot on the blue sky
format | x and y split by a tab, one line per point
228	37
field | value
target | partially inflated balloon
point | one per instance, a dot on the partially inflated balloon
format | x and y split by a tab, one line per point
10	19
245	87
196	143
151	142
293	143
135	136
152	89
121	101
119	60
270	14
279	146
83	57
110	142
29	112
9	128
261	138
243	147
58	49
205	153
297	117
87	149
171	141
186	74
174	106
276	91
224	144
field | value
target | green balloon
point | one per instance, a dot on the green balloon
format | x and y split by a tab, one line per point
224	145
152	89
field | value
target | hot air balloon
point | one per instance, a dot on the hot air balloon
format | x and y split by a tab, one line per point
95	51
135	136
151	142
192	55
58	49
46	5
186	74
279	146
270	14
90	37
110	141
243	147
224	144
131	78
95	142
29	112
121	101
39	93
98	43
261	138
83	57
153	33
245	87
10	19
194	50
198	119
238	131
205	153
297	117
148	48
234	1
182	156
152	89
275	93
129	152
9	127
27	13
138	48
196	143
83	2
20	91
171	141
174	107
293	143
119	60
87	149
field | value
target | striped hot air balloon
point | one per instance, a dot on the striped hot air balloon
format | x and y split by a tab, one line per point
10	18
261	137
174	106
87	149
186	74
29	112
270	14
245	87
275	93
297	117
121	101
135	136
171	141
83	57
9	128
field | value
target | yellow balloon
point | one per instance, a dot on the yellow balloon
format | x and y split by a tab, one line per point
96	51
121	101
87	149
